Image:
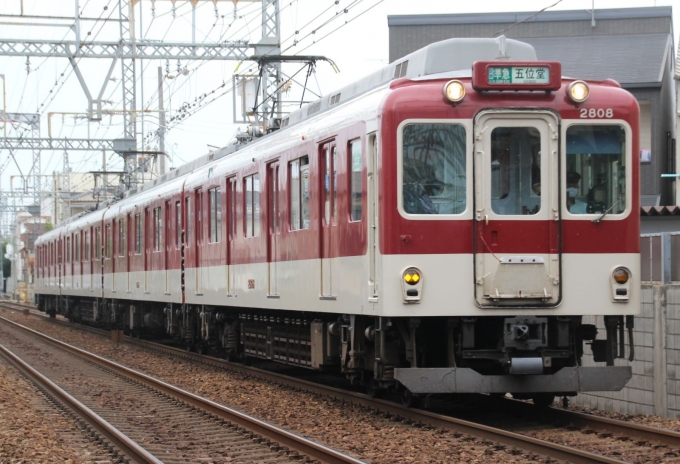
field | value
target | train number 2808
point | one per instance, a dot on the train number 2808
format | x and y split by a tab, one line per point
597	113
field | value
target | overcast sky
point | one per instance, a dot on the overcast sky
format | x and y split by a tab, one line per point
356	40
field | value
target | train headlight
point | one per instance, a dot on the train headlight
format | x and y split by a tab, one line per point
620	283
454	91
578	91
411	285
621	275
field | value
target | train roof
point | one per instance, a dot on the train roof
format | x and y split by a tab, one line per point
442	57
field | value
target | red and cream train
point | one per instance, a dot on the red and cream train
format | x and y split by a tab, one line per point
440	226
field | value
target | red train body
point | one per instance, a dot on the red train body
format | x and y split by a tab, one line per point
431	228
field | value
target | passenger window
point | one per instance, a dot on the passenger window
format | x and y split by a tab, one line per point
356	180
215	215
98	244
515	170
187	211
434	169
158	229
107	237
252	204
596	169
299	194
87	245
178	232
232	206
121	237
138	234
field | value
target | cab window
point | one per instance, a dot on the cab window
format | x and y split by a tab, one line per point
595	180
433	169
515	170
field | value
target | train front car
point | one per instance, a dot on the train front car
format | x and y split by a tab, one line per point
509	215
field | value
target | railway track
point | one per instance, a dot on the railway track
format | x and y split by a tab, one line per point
151	421
617	437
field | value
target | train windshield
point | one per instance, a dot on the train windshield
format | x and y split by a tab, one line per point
515	170
596	169
434	180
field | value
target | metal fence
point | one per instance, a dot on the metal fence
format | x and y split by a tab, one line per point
660	257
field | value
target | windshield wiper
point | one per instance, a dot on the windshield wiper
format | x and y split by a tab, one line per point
597	221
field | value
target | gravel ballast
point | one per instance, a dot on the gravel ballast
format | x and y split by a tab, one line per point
32	430
345	427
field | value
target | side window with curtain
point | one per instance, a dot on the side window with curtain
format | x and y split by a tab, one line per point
595	178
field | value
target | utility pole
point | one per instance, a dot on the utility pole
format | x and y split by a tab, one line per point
162	157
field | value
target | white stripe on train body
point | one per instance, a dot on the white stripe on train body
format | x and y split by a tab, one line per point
478	319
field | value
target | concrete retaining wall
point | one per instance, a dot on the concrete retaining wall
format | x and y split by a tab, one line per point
655	386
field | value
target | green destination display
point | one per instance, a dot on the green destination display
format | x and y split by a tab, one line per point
519	75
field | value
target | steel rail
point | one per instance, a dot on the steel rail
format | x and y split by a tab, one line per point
640	431
512	439
117	438
283	437
631	429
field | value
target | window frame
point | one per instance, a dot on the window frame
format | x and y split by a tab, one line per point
98	243
139	234
254	232
158	229
108	239
187	221
628	156
68	250
215	214
88	245
178	224
299	203
467	213
122	237
232	189
350	175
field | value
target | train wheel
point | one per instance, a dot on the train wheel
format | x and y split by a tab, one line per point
374	389
410	400
543	400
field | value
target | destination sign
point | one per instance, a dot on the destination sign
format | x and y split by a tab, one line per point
518	75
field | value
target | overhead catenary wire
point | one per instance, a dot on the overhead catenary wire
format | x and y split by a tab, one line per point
228	90
497	33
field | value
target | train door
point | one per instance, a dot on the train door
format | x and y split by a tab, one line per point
168	244
128	252
148	246
328	216
199	238
373	217
517	217
274	220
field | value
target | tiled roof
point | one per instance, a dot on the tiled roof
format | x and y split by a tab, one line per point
660	210
528	16
633	59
